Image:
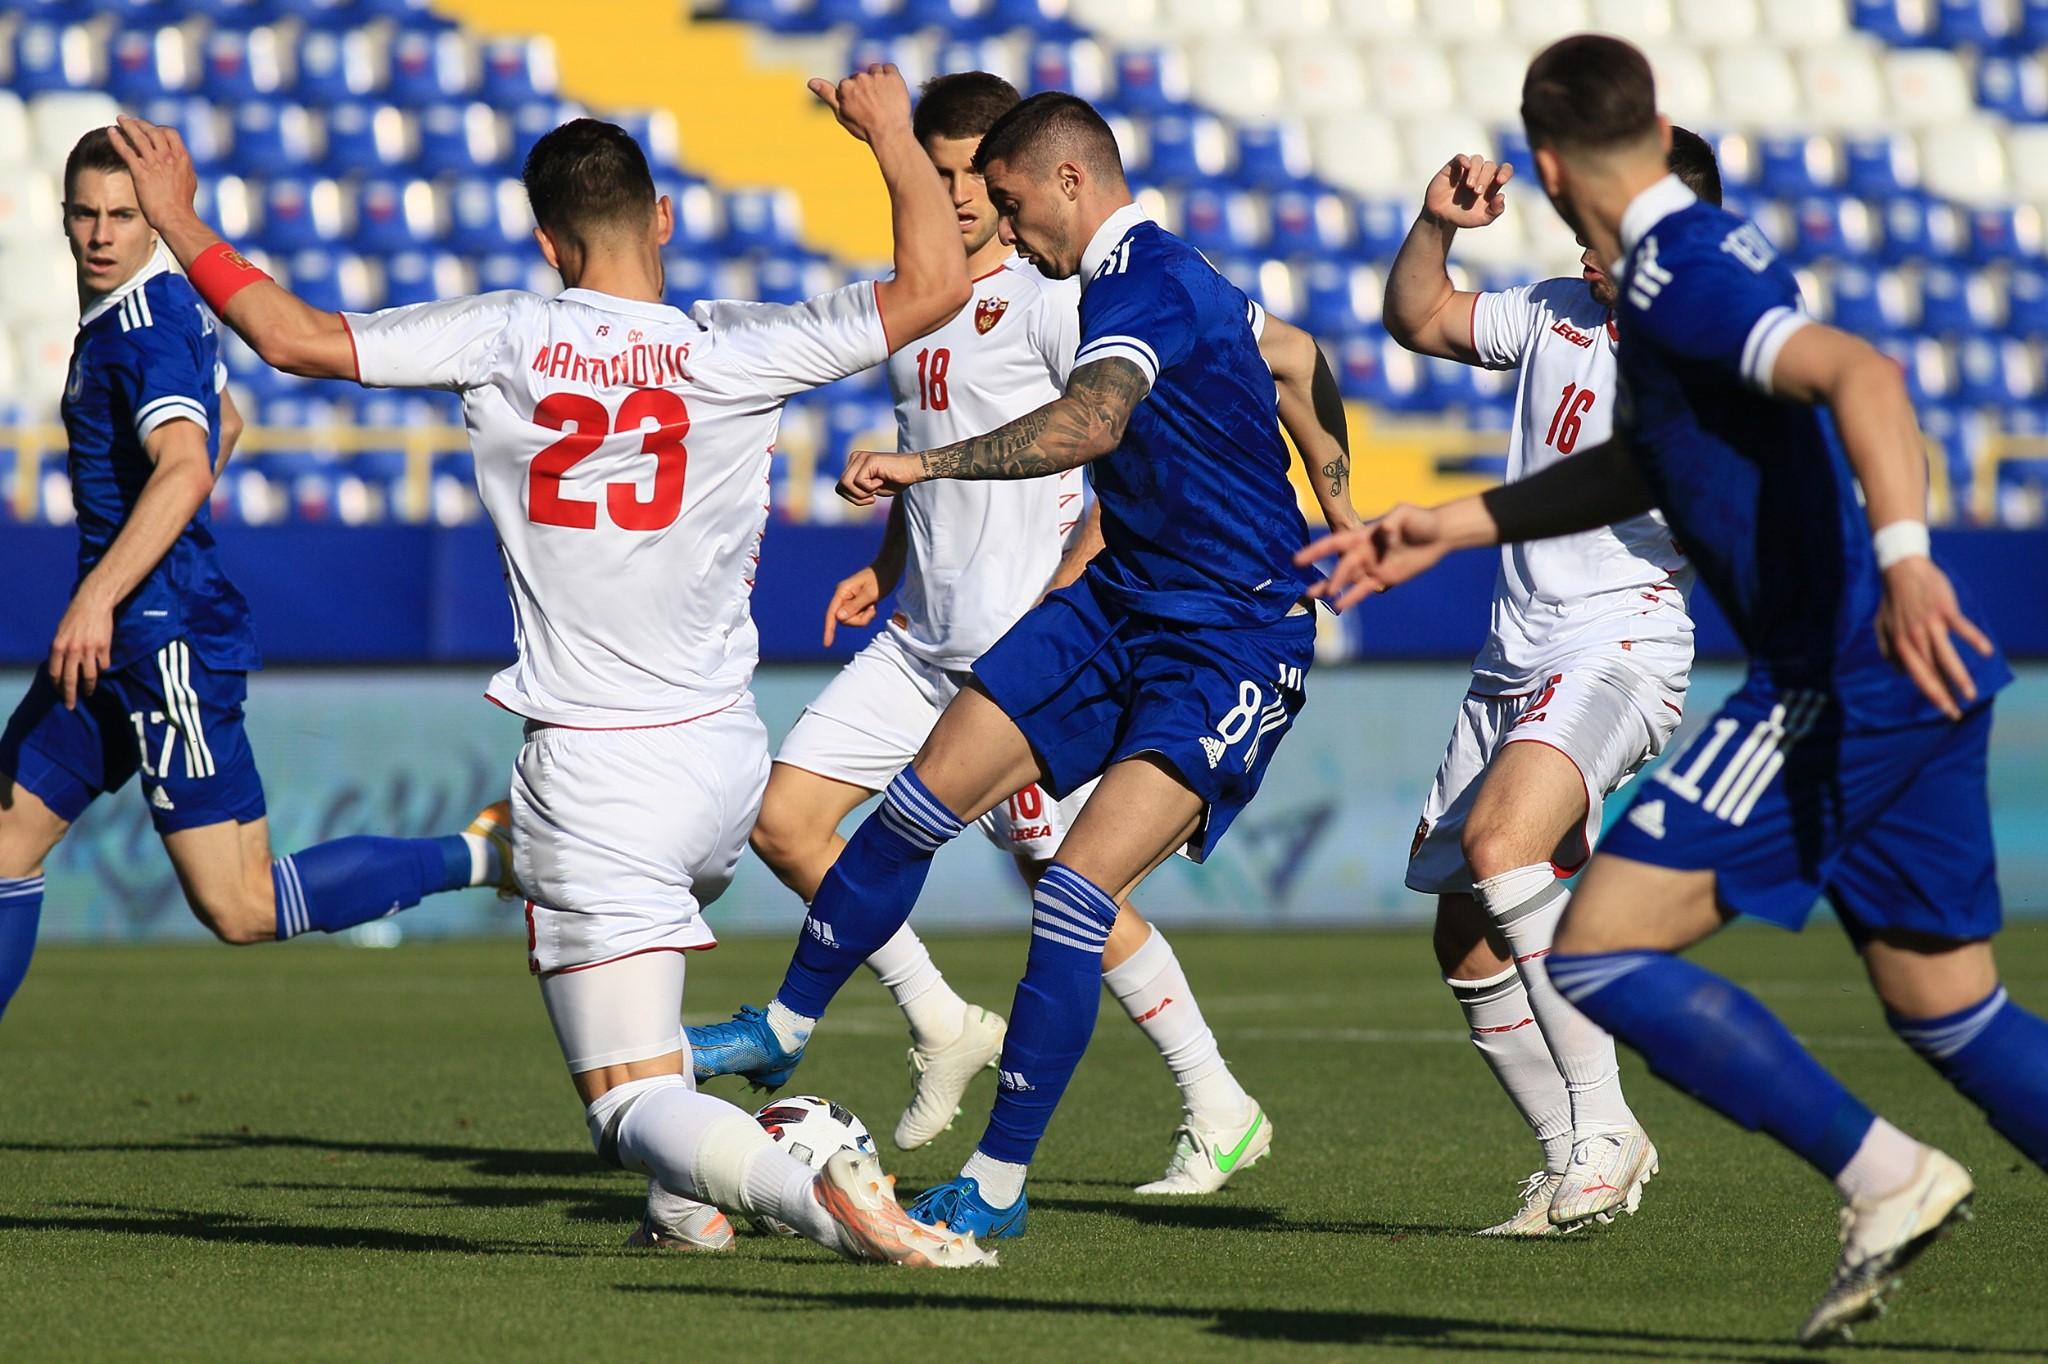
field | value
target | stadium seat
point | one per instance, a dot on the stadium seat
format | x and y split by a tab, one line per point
423	276
1964	161
1871	303
1150	79
1986	25
269	135
1801	23
1686	84
1429	141
241	65
1409	78
1309	223
766	220
143	64
524	270
369	139
1639	21
1375	19
1761	78
1076	65
1925	89
1842	86
300	214
1362	152
698	213
518	71
656	132
532	122
1186	147
1955	303
331	281
1714	23
396	215
1791	164
1829	227
1500	244
17	149
41	279
27	200
429	67
1274	156
1489	80
686	279
2005	234
1898	23
1879	165
1202	18
51	57
461	138
1241	78
1383	225
333	67
57	120
1451	21
1997	372
781	279
2014	86
1118	19
2027	302
1221	221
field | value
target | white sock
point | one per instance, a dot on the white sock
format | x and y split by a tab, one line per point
1525	904
904	966
1505	1032
1882	1164
791	1028
1154	992
666	1208
484	864
711	1151
1001	1182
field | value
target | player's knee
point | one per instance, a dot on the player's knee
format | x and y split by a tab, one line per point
1491	849
783	839
236	918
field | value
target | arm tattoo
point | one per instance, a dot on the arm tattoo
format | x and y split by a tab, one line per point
1338	471
1085	422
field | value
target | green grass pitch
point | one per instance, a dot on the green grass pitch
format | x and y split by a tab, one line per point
307	1153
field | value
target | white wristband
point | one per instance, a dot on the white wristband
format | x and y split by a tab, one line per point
1900	540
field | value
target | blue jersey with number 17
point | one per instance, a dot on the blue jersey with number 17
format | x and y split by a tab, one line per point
1199	520
1756	488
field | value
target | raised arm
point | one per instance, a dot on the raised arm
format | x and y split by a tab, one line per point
1595	488
1881	438
231	428
1312	410
1422	309
1084	423
287	332
930	283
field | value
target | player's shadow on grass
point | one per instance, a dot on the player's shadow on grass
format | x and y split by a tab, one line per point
497	1161
582	1203
1203	1216
1330	1326
238	1229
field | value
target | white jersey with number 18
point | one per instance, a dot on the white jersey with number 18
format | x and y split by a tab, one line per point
622	453
981	551
1626	583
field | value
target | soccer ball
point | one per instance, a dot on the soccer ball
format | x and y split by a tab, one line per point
813	1130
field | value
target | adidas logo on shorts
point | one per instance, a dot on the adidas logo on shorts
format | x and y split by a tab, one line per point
1649	817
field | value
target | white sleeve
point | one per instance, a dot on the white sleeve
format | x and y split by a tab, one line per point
1059	329
1766	339
787	348
447	344
1501	324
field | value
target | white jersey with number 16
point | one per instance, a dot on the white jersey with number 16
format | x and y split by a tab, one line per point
622	454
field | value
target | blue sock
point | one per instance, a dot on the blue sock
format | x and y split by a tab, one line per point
21	908
1718	1044
337	885
1996	1053
1053	1015
868	894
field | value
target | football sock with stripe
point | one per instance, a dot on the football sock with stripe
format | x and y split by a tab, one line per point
1526	904
1505	1032
1154	992
1718	1044
868	894
21	909
337	885
1996	1053
1053	1014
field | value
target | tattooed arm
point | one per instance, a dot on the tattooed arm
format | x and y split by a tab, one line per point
1086	422
1312	410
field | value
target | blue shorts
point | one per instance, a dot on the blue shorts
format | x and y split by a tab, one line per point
169	717
1784	806
1090	686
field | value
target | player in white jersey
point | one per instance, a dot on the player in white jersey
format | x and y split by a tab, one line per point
1580	683
622	454
967	559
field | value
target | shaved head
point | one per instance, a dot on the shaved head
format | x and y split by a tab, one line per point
1051	128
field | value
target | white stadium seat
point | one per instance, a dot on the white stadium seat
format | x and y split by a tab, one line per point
1489	78
1236	77
1545	21
1759	88
1117	19
1461	21
41	281
1804	23
1432	139
1965	161
1843	86
1717	21
1361	152
16	148
1409	78
1323	77
1926	88
1295	18
1197	19
42	350
10	367
28	211
2026	148
1376	18
56	122
1550	246
1500	244
1639	21
1685	88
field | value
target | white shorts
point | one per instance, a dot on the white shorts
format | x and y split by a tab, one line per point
613	1012
620	837
871	719
1608	717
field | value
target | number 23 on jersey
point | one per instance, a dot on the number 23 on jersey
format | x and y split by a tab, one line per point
663	421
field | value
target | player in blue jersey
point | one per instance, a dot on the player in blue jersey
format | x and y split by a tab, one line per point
1850	763
149	667
1172	669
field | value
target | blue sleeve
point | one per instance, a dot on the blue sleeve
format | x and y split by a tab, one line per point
166	370
1713	305
1142	316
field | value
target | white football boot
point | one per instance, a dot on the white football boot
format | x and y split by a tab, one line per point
1205	1158
1532	1218
1606	1175
940	1075
493	824
1881	1237
861	1202
672	1222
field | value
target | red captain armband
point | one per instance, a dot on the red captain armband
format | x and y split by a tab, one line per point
219	273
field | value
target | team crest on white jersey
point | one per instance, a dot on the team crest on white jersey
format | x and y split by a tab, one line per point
988	312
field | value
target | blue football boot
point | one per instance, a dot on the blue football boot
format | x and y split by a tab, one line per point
747	1047
959	1205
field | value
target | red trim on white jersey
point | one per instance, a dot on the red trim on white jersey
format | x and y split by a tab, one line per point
355	357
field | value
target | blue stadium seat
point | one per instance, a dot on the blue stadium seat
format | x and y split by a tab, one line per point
1951	304
55	11
427	68
1900	23
208	135
515	270
1310	223
300	214
329	282
1905	229
1274	156
457	139
1954	429
1332	296
369	139
1219	221
1046	18
686	280
416	15
1382	227
2003	234
1997	372
270	134
489	213
2034	23
761	220
782	279
1829	227
1878	165
517	71
2027	294
656	134
869	18
335	66
241	65
1790	165
394	215
422	277
2015	86
697	213
532	122
1187	147
953	17
145	63
1986	25
1073	64
1147	82
1870	303
779	16
50	56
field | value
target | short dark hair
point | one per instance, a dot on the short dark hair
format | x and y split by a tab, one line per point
961	105
1588	92
587	174
1692	161
1053	122
94	151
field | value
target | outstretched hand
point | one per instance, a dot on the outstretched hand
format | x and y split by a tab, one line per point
1470	191
868	103
160	167
871	474
1380	554
853	602
1916	626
